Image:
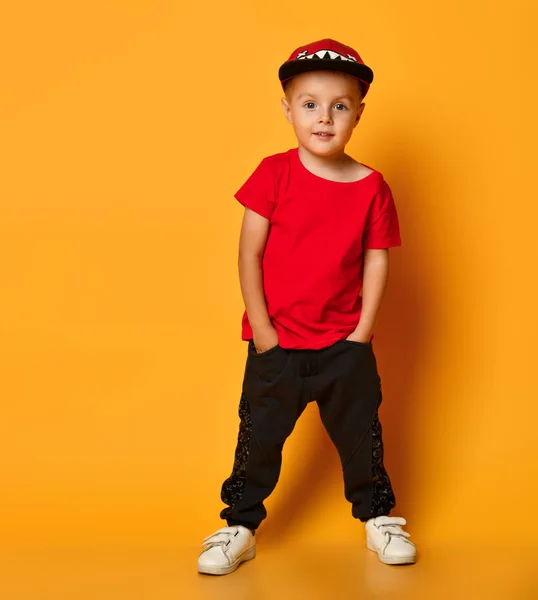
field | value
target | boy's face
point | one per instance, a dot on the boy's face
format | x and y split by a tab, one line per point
323	101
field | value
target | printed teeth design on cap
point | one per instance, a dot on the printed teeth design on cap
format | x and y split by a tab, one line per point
324	55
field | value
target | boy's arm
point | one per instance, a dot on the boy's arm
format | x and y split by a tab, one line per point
254	231
375	275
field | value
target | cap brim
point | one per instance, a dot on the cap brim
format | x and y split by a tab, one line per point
295	67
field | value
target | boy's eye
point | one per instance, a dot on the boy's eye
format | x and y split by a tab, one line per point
313	104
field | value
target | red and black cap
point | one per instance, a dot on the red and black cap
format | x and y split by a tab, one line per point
326	55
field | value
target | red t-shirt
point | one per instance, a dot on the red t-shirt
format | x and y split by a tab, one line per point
313	258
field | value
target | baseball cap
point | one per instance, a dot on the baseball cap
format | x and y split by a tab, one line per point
329	55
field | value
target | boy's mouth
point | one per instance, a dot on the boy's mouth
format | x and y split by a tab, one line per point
322	134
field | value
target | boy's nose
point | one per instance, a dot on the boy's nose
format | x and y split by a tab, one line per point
325	118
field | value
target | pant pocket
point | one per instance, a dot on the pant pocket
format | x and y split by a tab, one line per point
254	352
267	366
355	343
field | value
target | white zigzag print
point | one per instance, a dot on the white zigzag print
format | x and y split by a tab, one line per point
325	54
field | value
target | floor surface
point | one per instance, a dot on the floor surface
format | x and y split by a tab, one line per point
279	572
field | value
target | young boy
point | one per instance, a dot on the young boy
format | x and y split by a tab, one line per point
316	231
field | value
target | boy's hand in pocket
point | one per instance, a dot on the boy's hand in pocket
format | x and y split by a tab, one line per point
265	339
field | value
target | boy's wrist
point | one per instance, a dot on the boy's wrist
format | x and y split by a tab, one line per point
361	334
261	326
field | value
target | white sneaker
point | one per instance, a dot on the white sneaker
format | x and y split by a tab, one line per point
226	549
385	536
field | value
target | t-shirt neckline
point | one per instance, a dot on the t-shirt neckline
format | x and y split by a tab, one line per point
295	154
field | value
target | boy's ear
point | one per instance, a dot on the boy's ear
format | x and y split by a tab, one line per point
359	113
286	109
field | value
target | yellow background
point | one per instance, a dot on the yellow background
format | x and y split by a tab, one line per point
126	128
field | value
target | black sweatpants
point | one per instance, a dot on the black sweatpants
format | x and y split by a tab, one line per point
278	384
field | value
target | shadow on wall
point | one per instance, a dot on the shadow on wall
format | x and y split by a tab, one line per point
403	327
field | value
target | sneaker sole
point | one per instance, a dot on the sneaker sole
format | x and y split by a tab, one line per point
209	570
399	560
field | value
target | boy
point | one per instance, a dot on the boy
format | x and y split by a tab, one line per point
316	230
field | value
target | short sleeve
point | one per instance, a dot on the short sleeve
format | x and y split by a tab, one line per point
382	228
258	191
